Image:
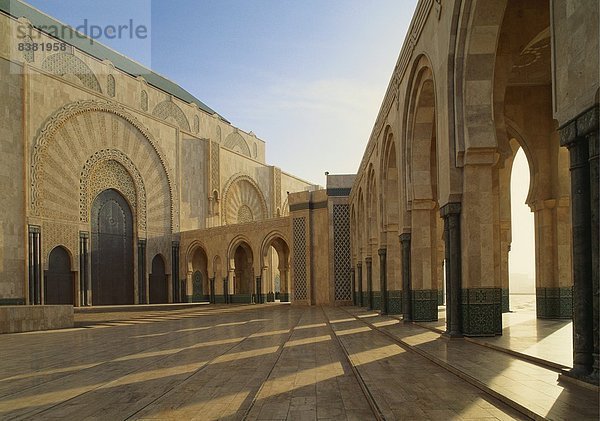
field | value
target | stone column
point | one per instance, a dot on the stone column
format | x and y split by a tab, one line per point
142	277
35	265
84	269
383	279
573	136
360	287
175	270
228	286
595	209
406	284
211	297
284	293
369	263
226	290
451	215
259	290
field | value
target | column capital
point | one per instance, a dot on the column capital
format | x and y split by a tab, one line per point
382	251
580	127
450	209
368	260
359	265
405	237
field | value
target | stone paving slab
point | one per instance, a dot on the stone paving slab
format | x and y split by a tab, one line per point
230	362
404	384
526	384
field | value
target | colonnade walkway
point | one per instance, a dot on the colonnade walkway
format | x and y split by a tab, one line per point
546	341
272	361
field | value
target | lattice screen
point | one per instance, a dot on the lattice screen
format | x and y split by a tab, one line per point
299	234
341	253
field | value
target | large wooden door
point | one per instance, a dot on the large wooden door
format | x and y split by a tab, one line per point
112	250
159	292
58	281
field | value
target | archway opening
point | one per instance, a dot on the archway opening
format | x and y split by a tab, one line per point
243	282
522	247
112	249
59	287
276	282
159	289
200	278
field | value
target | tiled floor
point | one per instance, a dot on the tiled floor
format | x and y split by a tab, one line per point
240	362
523	332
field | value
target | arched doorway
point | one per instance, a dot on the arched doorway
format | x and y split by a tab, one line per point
112	249
243	285
275	281
58	279
198	275
159	290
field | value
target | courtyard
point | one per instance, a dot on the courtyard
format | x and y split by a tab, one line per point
273	361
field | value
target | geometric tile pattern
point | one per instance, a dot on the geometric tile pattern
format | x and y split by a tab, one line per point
299	238
341	253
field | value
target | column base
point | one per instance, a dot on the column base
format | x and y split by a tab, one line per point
376	300
481	311
554	303
241	298
505	301
425	305
394	302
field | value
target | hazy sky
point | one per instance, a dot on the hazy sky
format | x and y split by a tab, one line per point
307	76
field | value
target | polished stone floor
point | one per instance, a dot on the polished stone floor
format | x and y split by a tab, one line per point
269	362
522	332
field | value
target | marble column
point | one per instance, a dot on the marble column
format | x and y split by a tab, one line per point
259	290
211	297
577	136
84	268
142	272
406	284
451	215
35	265
284	293
360	286
175	270
595	210
226	290
369	263
382	252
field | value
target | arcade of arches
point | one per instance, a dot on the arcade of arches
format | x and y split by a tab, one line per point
430	206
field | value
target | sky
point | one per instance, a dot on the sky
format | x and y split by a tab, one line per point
306	76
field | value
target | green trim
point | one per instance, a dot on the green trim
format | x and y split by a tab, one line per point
440	297
241	298
308	205
220	299
12	301
338	191
270	297
425	305
554	303
482	311
394	302
376	300
284	297
189	298
505	300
